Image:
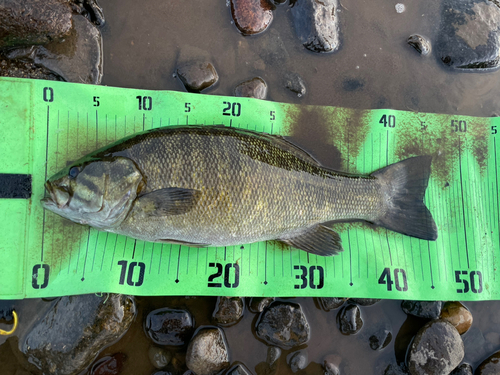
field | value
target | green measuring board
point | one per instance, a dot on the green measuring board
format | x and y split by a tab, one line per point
45	125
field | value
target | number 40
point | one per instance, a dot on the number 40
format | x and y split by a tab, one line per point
386	278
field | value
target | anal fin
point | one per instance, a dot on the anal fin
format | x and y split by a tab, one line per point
319	240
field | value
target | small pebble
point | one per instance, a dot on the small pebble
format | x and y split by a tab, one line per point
273	354
228	310
349	320
207	352
295	84
400	8
253	88
422	45
283	324
172	327
197	76
331	364
331	303
252	16
298	360
111	365
258	304
159	357
458	315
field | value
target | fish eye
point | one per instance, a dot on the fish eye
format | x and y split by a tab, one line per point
73	172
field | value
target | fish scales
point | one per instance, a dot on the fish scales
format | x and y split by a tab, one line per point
251	189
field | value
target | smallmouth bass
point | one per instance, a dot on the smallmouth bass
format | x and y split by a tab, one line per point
219	186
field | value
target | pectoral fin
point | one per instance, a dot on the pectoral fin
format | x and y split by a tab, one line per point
318	240
169	201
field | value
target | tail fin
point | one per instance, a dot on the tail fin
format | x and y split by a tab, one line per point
403	189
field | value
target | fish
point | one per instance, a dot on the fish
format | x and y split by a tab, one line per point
205	186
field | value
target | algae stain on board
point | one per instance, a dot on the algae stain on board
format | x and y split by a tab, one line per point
446	138
64	242
335	136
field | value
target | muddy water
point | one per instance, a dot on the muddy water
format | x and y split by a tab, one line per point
374	68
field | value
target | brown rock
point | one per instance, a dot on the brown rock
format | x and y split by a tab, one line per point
253	88
24	23
251	16
228	310
197	76
458	315
77	59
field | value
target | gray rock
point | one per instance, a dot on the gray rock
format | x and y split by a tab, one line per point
316	24
239	369
490	366
421	44
331	364
74	330
331	369
24	69
349	320
422	309
207	352
258	304
298	360
172	327
159	357
273	354
77	59
463	369
24	23
469	37
252	16
253	88
295	84
283	325
436	349
331	303
197	76
228	310
364	301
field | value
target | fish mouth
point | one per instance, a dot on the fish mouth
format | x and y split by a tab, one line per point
53	201
49	201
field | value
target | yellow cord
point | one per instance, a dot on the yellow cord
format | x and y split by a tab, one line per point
6	333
